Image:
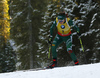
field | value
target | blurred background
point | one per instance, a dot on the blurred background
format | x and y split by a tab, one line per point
25	27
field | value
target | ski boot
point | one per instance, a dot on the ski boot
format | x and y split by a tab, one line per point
52	65
76	62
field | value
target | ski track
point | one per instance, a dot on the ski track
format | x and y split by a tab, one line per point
80	71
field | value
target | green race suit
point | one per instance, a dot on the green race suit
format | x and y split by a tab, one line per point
63	35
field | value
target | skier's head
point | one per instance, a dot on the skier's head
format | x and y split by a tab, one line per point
61	16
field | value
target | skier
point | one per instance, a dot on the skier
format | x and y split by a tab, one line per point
63	25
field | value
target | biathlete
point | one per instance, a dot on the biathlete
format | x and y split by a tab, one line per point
63	25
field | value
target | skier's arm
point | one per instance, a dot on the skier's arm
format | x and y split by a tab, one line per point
71	23
52	28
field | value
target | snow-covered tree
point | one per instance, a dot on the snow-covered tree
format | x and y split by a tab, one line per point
25	23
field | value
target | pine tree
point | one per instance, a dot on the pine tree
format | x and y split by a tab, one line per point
4	21
26	21
7	55
87	12
7	59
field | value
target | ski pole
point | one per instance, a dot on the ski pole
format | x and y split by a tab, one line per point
49	51
83	50
81	44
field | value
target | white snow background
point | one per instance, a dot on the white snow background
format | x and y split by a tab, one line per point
80	71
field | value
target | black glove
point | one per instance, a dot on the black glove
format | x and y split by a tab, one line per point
79	34
50	40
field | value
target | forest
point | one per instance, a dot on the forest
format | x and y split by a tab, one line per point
25	29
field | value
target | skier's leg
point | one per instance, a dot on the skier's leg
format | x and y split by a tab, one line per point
57	41
70	51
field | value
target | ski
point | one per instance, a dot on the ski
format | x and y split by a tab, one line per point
37	69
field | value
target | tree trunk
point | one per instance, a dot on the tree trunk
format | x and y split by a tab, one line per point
30	34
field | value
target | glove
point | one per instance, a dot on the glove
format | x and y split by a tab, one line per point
50	40
79	34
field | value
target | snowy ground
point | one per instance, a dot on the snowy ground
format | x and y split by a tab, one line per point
81	71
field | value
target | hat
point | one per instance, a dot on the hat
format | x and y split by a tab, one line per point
61	16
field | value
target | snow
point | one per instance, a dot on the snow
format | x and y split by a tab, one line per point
80	71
